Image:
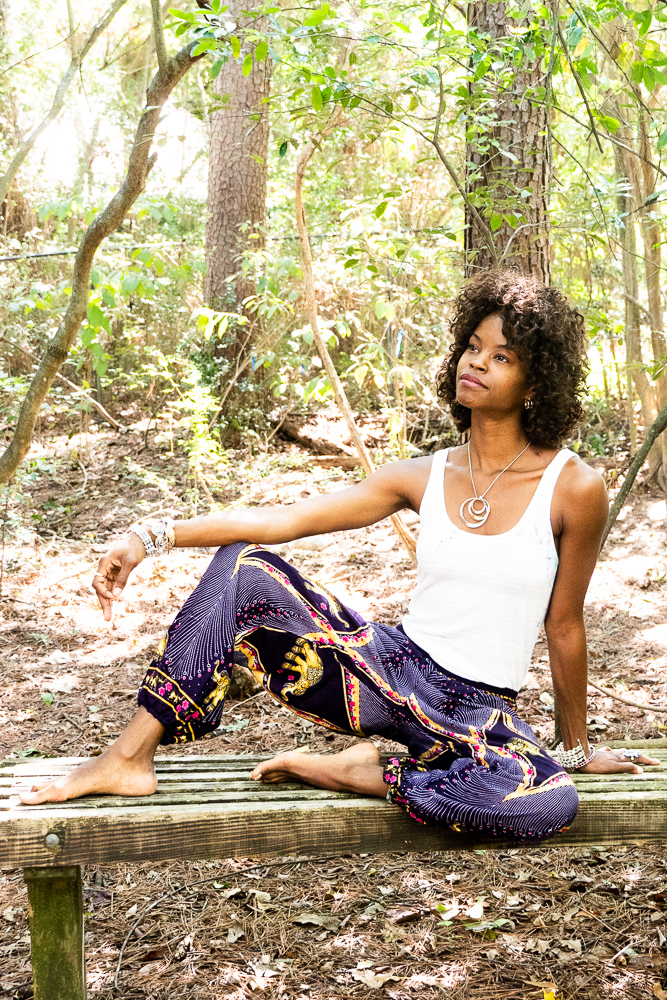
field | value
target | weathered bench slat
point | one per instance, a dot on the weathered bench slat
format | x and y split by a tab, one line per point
187	796
241	829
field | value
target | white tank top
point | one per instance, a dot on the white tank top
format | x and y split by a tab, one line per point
480	599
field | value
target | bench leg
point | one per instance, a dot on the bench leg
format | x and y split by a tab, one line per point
56	933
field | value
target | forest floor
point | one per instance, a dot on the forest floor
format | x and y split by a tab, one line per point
562	923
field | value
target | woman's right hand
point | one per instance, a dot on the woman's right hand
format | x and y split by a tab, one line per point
114	569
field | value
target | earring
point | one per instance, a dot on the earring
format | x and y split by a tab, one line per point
528	403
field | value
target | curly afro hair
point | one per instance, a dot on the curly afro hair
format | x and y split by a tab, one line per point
547	335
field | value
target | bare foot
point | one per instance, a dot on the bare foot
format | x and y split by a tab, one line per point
126	768
356	769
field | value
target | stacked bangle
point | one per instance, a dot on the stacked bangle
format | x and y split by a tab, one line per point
574	759
163	535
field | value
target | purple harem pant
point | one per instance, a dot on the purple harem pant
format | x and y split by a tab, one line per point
472	763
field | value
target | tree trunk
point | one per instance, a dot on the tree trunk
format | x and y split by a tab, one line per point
625	170
105	223
510	156
237	176
652	269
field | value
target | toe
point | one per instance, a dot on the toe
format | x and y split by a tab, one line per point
35	796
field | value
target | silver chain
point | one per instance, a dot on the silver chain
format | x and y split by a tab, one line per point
481	496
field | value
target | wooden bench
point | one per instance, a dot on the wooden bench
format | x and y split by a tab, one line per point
207	807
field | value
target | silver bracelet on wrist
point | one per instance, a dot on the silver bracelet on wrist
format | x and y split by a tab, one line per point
574	759
164	537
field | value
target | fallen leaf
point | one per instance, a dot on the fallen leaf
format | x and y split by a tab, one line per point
235	932
448	912
371	911
475	912
149	968
66	683
326	920
491	954
373	981
659	992
183	948
59	656
132	910
397	915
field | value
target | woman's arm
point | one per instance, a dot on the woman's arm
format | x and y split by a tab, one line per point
390	489
582	501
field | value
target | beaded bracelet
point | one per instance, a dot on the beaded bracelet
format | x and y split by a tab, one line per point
164	536
574	759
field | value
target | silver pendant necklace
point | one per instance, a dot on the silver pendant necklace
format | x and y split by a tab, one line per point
480	515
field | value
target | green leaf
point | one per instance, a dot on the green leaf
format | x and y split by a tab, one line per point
88	335
261	51
47	697
247	65
610	123
352	58
204	46
316	98
189	16
129	283
214	71
144	255
96	317
642	19
235	46
311	388
649	78
283	149
662	139
381	209
496	222
318	16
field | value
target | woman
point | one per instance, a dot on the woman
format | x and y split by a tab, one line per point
510	532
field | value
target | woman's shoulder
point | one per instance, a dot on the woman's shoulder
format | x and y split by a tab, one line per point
581	479
580	490
410	477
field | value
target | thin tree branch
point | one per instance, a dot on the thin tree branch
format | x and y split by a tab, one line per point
158	35
590	181
76	388
302	162
578	82
654	431
78	55
607	135
603	46
435	141
637	303
34	55
107	222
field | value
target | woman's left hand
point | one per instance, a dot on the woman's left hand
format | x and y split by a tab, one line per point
608	761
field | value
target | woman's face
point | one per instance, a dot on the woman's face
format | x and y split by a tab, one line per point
489	375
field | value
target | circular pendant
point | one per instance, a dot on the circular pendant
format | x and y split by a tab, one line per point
479	514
